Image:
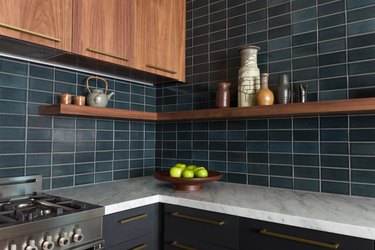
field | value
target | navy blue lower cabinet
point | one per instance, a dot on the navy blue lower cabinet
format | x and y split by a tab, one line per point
260	235
169	227
143	242
136	228
174	241
188	228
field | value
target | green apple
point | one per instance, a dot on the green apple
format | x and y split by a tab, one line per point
188	173
175	172
198	168
191	167
180	165
201	173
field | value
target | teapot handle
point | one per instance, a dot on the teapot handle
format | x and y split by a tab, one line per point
98	78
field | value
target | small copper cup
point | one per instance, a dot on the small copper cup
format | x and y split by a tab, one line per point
80	100
223	95
65	98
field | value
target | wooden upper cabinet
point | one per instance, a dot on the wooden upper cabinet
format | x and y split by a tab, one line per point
43	22
104	30
147	35
143	19
165	37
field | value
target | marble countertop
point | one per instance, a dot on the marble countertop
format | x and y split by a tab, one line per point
353	216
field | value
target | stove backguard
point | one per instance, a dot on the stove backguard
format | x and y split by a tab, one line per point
20	186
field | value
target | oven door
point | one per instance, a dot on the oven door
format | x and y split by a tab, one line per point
96	245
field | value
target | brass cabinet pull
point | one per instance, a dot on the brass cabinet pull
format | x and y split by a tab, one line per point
107	54
139	247
161	69
30	32
188	217
300	240
177	245
130	219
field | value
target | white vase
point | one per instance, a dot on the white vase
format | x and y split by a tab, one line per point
248	76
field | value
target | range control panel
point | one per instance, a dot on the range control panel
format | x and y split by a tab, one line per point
67	236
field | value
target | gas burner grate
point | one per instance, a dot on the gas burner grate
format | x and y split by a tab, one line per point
36	206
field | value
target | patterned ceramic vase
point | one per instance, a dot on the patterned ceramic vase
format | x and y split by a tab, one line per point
248	76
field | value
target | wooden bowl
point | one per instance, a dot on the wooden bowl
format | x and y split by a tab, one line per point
187	184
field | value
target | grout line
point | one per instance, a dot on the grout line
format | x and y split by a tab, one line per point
349	157
26	118
293	150
52	141
347	96
75	134
268	152
319	154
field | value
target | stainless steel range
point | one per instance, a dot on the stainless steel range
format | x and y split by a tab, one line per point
31	220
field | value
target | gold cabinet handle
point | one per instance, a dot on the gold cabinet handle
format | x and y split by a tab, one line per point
130	219
161	69
107	54
188	217
177	245
29	32
139	247
300	240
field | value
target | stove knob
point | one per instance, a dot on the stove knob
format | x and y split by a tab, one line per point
48	243
77	236
13	247
64	240
31	245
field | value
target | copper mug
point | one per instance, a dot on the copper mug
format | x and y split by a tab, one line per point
80	100
65	98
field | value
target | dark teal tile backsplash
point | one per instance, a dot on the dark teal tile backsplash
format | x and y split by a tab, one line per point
70	151
327	44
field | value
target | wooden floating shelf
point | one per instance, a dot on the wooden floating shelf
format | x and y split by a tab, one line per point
292	109
88	111
362	105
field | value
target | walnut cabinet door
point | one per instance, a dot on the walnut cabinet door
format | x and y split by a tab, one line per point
47	23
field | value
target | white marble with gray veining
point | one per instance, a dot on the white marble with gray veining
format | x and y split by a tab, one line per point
353	216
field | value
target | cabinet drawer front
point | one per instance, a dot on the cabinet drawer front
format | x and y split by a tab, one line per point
220	229
173	241
260	235
145	242
130	224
